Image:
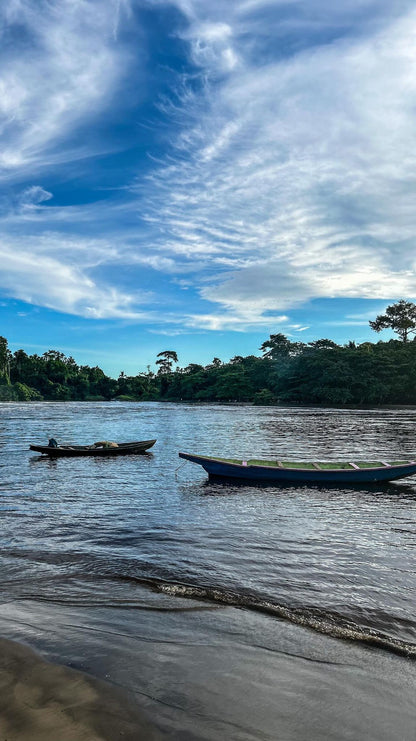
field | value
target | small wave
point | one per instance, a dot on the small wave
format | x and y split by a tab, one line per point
325	622
84	567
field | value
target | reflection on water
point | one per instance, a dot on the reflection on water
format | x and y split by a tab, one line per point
337	551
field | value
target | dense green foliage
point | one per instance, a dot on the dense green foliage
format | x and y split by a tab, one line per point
319	372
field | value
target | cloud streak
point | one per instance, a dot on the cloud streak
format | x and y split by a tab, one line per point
43	280
303	167
59	67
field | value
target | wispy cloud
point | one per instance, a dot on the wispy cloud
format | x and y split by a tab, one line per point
231	320
59	66
60	283
282	168
304	165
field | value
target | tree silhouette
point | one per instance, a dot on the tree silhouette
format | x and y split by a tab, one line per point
4	361
167	357
400	317
276	346
323	344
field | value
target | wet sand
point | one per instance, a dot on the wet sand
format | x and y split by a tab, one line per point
40	701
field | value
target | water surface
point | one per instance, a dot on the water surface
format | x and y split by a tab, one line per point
216	592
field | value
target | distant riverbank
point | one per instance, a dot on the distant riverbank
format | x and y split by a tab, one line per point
319	374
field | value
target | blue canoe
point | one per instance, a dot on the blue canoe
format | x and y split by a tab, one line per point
324	472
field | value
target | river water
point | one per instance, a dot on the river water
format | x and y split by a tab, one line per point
229	612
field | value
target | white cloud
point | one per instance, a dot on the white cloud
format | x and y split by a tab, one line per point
51	275
60	74
33	196
211	45
232	320
305	167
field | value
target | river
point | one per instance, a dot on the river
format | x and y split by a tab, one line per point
239	613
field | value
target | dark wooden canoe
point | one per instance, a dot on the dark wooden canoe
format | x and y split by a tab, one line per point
325	472
70	451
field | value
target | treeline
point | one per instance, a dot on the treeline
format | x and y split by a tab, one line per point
288	372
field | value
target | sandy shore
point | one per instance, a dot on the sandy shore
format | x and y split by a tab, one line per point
40	701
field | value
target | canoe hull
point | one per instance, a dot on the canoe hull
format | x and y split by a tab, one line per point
217	469
76	451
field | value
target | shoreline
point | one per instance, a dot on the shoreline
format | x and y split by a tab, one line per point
199	403
43	701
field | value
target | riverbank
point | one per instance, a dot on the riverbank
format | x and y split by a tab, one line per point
41	701
321	373
200	672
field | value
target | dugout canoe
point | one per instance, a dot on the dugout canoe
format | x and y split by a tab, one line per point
71	451
312	472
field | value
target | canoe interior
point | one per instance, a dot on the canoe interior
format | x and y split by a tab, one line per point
137	446
119	445
311	472
313	465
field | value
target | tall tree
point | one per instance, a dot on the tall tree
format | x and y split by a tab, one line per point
4	361
166	358
277	346
400	317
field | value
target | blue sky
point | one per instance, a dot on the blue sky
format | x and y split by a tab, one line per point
196	175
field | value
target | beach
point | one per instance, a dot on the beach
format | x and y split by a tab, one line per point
193	671
40	701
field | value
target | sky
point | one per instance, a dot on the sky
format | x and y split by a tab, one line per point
195	175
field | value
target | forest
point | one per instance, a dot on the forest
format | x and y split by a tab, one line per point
287	372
